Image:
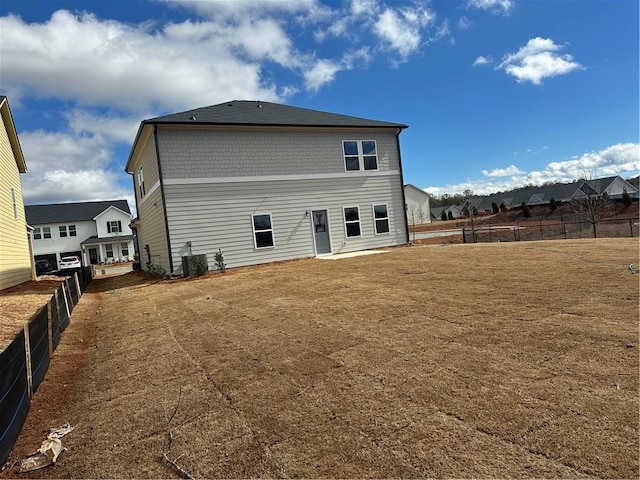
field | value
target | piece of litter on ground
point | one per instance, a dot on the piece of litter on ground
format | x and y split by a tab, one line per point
48	452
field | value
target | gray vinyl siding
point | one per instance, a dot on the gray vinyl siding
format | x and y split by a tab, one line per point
216	216
152	227
210	152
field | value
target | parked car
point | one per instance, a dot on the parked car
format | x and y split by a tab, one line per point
70	263
42	266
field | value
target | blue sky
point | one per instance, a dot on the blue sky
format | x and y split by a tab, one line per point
496	93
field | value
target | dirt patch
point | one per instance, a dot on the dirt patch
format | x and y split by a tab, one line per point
488	360
20	303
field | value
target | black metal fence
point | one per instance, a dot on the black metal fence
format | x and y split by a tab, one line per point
24	363
551	230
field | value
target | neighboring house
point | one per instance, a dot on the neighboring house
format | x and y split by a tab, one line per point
265	182
16	259
96	232
562	193
418	211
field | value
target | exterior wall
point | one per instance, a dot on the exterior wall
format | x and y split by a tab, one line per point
57	244
209	152
112	214
152	227
418	211
216	216
618	186
15	256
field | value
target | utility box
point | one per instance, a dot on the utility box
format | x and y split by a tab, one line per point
194	265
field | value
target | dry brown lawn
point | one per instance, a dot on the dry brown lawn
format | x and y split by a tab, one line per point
485	360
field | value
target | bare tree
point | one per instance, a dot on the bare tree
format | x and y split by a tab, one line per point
416	217
591	206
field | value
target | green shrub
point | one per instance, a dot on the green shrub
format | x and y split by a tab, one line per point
553	205
156	270
198	267
626	198
219	258
525	210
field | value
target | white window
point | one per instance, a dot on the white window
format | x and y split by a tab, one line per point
352	221
109	248
114	226
141	188
63	231
124	248
262	230
360	155
37	233
381	218
46	232
72	231
15	204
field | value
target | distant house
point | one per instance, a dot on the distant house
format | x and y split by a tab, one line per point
16	260
561	193
264	182
96	232
418	211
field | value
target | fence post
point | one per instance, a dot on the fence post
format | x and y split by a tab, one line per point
631	227
464	236
66	302
541	235
50	327
27	352
75	276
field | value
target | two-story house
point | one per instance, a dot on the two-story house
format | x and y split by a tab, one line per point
265	182
16	263
96	232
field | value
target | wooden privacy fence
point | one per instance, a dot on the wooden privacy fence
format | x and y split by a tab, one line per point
550	230
25	361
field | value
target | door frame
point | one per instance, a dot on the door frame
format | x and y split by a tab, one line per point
313	233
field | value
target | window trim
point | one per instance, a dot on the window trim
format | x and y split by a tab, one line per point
62	231
118	226
358	221
124	246
141	188
361	156
14	201
37	233
73	232
107	250
46	232
271	230
375	219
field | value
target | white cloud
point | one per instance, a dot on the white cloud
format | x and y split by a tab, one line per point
502	172
494	6
482	60
537	60
464	23
622	159
324	71
401	29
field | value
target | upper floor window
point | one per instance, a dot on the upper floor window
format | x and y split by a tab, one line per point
262	230
46	232
381	218
37	233
15	204
114	226
141	188
360	155
352	221
70	229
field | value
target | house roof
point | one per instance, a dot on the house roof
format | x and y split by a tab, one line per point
419	190
251	112
71	212
7	119
97	240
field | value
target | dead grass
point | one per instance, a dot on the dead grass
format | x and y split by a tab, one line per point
20	303
484	360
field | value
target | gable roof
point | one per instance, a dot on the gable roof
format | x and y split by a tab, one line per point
250	112
419	190
7	119
71	212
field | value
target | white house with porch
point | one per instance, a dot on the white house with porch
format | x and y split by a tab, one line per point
96	232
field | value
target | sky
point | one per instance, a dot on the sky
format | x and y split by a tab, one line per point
497	93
